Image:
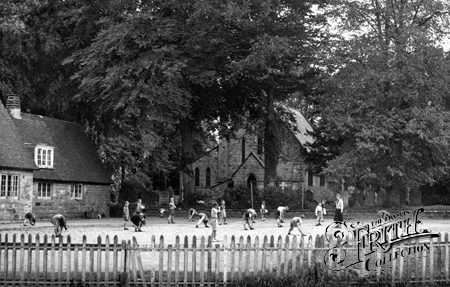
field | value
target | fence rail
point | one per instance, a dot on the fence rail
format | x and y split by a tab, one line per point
48	261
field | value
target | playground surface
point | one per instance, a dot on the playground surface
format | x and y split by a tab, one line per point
156	226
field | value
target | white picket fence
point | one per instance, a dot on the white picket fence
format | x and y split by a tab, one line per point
48	261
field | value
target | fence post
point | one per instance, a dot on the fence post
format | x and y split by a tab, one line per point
139	261
247	259
446	257
241	246
45	259
186	262
83	260
279	246
177	259
225	260
68	258
22	257
124	276
106	260
256	261
5	260
232	248
161	260
202	261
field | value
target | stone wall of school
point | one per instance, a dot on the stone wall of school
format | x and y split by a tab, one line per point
15	207
95	200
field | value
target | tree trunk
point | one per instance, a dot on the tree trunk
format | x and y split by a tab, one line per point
187	156
270	142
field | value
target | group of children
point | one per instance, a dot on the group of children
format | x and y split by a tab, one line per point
58	221
137	218
219	216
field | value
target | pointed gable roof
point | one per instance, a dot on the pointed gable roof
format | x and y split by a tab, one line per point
75	158
251	154
303	127
13	153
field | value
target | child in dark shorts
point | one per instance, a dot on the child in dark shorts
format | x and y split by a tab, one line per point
30	217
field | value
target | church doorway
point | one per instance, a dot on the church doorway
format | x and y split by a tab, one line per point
251	181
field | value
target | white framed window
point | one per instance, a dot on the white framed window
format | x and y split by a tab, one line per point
43	156
76	191
44	190
9	185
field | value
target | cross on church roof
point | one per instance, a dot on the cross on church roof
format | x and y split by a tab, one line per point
283	184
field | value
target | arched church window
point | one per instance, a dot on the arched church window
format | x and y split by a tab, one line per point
259	145
197	176
208	177
322	180
310	178
243	149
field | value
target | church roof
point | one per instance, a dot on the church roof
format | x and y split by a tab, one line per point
251	154
303	127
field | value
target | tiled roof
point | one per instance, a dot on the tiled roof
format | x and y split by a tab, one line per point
13	153
75	158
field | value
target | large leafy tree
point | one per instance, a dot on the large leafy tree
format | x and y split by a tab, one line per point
385	115
271	47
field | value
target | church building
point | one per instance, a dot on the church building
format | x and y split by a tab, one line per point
239	161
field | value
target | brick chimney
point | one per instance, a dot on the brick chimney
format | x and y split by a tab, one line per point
13	105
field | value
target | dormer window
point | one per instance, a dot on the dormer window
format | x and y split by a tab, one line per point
43	156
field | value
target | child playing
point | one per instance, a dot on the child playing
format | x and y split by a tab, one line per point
171	210
248	221
281	211
214	212
138	220
223	213
296	222
324	211
126	215
263	210
319	213
252	214
162	211
139	206
59	222
192	213
30	217
203	218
